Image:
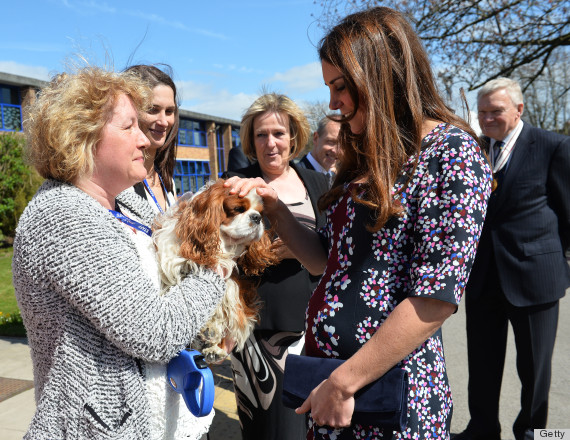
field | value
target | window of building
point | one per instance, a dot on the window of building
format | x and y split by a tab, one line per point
220	152
10	110
192	133
9	95
236	140
191	175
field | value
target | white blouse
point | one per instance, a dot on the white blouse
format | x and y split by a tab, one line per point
170	419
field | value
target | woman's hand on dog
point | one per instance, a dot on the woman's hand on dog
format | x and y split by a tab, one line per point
303	242
228	344
222	271
242	187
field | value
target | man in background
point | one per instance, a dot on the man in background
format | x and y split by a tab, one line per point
520	271
237	159
324	155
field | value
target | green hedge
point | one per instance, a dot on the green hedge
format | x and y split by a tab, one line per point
18	183
10	319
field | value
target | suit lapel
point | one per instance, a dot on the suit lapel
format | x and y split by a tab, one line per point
308	163
313	190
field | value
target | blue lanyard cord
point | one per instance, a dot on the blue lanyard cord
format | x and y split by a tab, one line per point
132	223
154	197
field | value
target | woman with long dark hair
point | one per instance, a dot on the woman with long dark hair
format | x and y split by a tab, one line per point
404	216
160	124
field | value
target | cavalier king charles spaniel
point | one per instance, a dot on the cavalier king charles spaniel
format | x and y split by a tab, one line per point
222	232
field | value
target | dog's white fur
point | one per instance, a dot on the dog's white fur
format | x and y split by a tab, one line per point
236	233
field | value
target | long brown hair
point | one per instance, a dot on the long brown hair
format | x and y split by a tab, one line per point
165	159
388	76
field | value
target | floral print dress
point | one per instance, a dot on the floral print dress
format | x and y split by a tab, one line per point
427	252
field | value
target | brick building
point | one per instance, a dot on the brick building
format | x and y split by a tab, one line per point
203	140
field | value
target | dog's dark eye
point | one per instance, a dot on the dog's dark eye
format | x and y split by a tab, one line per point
239	209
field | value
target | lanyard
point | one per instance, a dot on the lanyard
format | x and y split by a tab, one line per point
132	223
147	186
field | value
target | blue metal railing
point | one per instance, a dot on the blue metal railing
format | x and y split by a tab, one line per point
221	155
236	141
10	117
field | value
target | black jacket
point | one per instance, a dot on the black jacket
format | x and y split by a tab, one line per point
527	227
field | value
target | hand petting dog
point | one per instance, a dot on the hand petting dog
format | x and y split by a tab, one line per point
224	232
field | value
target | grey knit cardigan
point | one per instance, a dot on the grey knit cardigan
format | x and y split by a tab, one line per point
90	312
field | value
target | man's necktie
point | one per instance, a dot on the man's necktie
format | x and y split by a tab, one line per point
497	148
498	175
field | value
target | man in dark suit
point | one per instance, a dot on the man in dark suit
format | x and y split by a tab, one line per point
520	270
237	159
324	155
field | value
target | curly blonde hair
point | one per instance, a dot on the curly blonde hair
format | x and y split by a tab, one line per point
63	126
299	127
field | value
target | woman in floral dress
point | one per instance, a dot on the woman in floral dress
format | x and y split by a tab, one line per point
404	218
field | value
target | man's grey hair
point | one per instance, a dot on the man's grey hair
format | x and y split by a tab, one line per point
324	122
511	86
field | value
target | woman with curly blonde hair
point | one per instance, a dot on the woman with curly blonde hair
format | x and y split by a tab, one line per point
91	306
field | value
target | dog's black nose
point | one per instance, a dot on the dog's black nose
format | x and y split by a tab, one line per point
256	218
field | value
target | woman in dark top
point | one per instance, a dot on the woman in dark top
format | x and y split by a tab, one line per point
404	216
273	132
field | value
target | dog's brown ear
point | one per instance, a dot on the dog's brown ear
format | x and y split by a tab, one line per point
158	220
250	301
198	230
258	256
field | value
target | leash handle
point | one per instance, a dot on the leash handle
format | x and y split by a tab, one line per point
188	374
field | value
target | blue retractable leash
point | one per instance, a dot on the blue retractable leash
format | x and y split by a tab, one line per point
186	372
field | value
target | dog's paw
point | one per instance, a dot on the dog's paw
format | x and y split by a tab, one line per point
215	354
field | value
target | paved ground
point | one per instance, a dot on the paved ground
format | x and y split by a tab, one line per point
16	411
456	358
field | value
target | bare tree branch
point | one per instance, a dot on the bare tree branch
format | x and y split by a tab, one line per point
474	41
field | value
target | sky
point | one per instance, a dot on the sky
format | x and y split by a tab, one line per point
224	54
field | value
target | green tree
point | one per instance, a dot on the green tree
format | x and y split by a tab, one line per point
18	183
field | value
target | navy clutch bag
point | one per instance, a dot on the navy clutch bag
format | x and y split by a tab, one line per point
382	403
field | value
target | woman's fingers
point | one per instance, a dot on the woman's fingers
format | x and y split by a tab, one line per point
328	407
305	407
228	344
242	186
